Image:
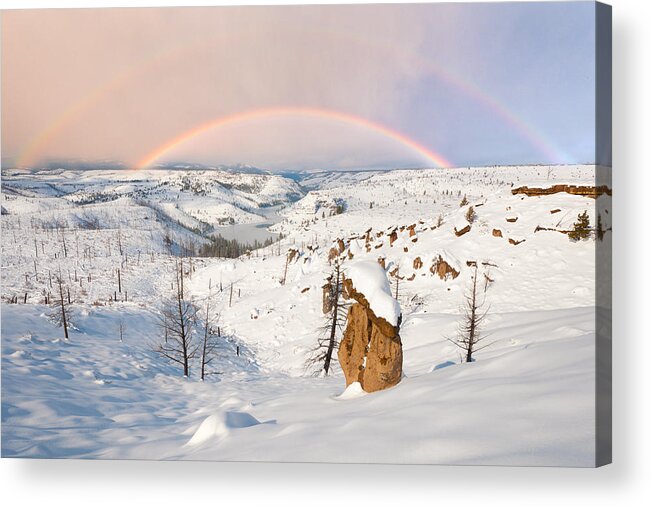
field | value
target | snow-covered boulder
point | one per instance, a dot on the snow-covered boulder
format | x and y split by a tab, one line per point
371	350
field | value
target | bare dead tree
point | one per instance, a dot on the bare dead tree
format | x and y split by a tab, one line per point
328	341
120	241
63	241
179	278
209	344
61	314
121	328
396	276
474	312
550	171
284	279
177	319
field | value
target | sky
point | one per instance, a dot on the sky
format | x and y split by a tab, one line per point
301	87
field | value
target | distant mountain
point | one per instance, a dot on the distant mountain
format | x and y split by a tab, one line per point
193	166
322	179
74	164
80	165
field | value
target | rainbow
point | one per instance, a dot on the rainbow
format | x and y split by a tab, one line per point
523	128
309	112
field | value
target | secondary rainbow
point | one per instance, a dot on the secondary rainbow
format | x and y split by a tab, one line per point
432	157
35	148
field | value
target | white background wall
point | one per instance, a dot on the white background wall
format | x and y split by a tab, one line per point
626	482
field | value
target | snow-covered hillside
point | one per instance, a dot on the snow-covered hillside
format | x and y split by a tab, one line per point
526	399
315	180
208	197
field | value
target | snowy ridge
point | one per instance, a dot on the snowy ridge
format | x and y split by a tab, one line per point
212	197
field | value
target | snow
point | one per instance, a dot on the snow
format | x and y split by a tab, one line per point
354	390
370	279
526	399
220	425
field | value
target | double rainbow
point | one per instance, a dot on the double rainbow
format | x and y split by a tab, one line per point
305	112
36	147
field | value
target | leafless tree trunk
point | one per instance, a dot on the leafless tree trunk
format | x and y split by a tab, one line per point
178	319
328	341
284	280
209	345
469	336
61	313
397	278
63	241
120	241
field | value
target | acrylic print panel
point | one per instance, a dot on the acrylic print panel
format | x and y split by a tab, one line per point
352	233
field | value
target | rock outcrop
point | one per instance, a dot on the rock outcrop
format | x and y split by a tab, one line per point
585	191
336	250
370	351
443	269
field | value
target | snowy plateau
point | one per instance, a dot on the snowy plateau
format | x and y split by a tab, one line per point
114	238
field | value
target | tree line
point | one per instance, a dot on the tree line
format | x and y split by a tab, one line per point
231	248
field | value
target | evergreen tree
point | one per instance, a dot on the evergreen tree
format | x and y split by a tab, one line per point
581	228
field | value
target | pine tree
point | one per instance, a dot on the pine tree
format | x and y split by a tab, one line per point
581	228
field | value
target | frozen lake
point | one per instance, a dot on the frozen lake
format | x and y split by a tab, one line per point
248	233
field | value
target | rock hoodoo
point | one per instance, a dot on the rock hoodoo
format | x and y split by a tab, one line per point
370	351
